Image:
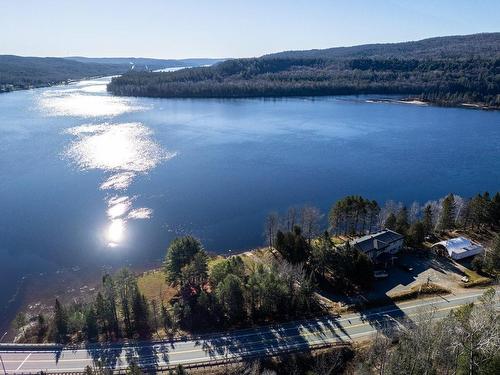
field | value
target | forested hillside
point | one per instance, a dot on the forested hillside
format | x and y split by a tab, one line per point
143	63
18	72
486	45
447	70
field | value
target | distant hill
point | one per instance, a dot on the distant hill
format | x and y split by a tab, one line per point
142	63
486	45
19	72
446	70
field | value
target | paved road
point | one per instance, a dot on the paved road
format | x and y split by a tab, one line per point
238	344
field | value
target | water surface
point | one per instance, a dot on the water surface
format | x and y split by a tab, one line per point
90	179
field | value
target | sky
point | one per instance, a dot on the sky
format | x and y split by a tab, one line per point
227	28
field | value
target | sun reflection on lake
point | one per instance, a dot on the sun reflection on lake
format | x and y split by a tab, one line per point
124	151
116	232
85	99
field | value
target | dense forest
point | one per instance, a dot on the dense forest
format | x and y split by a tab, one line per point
17	72
142	63
447	71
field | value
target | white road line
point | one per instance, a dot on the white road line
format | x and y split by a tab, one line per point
289	326
22	363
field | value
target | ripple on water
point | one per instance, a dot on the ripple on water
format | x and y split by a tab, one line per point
70	103
126	147
123	151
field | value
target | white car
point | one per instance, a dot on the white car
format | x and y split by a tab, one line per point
464	279
380	274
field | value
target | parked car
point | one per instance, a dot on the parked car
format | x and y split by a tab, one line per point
380	274
464	279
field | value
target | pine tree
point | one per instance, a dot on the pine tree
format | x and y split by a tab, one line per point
428	220
141	314
230	295
91	327
390	222
495	209
416	233
402	221
60	322
447	218
100	310
109	294
179	254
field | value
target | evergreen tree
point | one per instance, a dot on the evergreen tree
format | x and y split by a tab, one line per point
109	295
165	318
133	369
41	327
416	233
292	245
353	214
195	274
60	322
230	295
428	220
390	222
100	310
447	218
126	284
91	327
402	221
179	254
495	209
141	314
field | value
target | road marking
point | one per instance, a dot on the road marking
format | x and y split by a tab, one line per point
284	326
285	341
22	363
287	338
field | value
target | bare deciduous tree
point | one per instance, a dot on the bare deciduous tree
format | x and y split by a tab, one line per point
310	222
272	225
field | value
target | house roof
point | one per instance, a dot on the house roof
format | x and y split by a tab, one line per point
383	239
460	246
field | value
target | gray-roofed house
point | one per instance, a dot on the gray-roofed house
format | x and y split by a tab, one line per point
380	246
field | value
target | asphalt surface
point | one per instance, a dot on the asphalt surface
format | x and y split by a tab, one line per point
238	344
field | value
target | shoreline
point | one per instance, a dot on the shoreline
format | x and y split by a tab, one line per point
423	103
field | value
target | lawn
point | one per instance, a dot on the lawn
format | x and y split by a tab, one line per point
153	285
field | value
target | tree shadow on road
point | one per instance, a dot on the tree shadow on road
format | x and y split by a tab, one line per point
271	340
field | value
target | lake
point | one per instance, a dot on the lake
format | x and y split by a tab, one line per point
88	179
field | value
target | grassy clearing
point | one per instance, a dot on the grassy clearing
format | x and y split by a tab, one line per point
417	291
475	279
153	285
213	260
263	255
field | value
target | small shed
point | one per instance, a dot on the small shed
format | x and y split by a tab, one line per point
459	247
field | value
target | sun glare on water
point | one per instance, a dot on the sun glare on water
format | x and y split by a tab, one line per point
116	232
123	151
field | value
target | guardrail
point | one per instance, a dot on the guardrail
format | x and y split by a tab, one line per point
124	344
206	363
13	347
